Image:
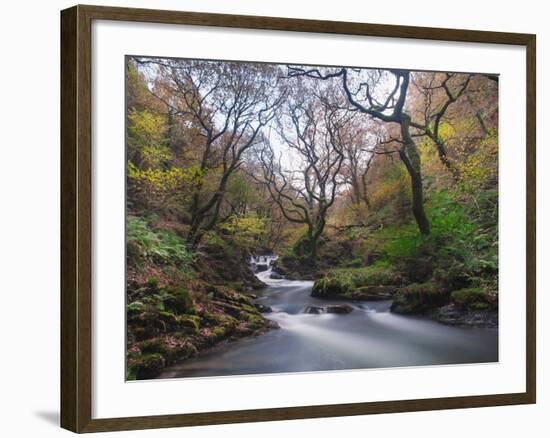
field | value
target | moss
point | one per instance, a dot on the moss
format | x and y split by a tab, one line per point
356	262
179	300
171	348
249	308
168	318
473	298
418	269
419	297
150	346
135	308
452	276
255	321
344	282
219	332
147	366
140	333
236	285
372	293
153	283
479	306
188	323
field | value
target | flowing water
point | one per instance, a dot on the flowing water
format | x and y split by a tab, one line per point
368	337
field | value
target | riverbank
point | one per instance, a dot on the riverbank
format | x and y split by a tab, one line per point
176	311
178	325
171	330
366	335
433	298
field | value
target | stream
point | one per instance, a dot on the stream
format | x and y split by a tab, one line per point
369	337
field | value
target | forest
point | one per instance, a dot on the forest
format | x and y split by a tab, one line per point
354	188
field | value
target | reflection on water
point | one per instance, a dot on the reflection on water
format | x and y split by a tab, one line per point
368	337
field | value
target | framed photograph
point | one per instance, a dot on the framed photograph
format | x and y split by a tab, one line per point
269	218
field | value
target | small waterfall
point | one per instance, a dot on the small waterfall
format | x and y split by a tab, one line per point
262	266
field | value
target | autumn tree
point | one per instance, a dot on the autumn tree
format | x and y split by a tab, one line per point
304	181
439	91
382	94
359	152
228	104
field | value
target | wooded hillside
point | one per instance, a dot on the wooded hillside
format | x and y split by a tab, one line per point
377	184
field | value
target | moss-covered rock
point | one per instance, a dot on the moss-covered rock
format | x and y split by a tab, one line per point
146	366
373	293
472	298
188	323
172	348
179	300
255	321
351	283
419	297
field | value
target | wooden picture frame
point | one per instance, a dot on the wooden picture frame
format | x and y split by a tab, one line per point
76	217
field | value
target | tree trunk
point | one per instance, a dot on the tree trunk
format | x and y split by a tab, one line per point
411	158
313	253
418	204
193	236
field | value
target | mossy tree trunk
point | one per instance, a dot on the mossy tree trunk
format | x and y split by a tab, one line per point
411	159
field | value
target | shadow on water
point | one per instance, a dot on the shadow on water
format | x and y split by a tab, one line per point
368	337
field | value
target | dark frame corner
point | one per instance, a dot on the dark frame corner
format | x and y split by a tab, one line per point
76	172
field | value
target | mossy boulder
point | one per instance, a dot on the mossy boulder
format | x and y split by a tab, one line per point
472	298
373	293
150	323
329	287
255	321
188	323
170	347
419	297
351	283
179	300
146	366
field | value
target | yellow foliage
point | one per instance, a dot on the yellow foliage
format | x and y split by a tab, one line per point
480	167
446	131
159	181
146	136
245	229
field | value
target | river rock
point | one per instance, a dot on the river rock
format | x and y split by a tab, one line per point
263	308
340	309
314	310
261	267
454	315
273	324
275	276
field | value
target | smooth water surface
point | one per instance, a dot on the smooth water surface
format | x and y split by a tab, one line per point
368	337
